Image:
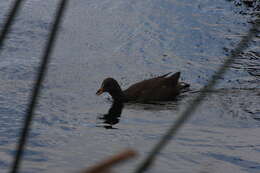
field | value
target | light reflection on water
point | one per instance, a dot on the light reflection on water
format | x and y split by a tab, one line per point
131	41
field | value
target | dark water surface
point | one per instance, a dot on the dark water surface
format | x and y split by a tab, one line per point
130	41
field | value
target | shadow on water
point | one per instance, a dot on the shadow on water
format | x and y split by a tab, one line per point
113	116
153	106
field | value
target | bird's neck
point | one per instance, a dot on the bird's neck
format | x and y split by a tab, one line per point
118	95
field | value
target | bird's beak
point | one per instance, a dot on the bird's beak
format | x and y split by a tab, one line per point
100	91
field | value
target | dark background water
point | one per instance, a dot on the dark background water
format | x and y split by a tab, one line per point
131	41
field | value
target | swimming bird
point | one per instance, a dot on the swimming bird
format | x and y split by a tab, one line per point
161	88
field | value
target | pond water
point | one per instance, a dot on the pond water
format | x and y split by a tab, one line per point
131	41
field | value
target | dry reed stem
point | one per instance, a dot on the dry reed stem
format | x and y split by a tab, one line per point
105	166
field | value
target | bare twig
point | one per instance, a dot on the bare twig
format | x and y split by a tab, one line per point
37	86
9	21
104	166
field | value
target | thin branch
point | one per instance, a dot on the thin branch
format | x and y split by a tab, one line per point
37	86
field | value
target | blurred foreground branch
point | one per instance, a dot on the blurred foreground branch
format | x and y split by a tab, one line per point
105	166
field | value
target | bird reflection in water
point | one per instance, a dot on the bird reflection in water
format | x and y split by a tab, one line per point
113	115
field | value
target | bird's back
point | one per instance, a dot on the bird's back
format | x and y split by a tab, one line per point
160	88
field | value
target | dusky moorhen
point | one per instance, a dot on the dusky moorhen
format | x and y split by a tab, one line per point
161	88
